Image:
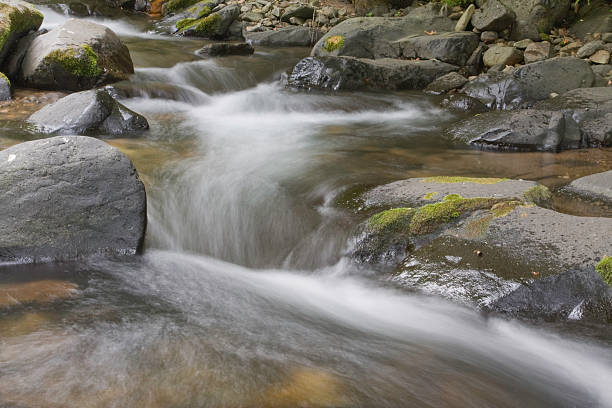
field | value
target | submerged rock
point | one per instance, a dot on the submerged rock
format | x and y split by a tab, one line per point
345	73
17	18
222	49
284	37
530	83
74	56
88	111
578	118
68	197
596	186
483	242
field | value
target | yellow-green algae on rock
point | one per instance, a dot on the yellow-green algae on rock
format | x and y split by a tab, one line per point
459	179
17	18
79	61
604	267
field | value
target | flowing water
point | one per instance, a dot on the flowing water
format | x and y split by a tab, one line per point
244	296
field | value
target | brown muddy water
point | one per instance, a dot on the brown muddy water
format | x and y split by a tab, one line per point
244	296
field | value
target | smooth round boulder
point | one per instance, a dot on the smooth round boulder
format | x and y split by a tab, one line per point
68	197
75	56
596	186
85	112
17	18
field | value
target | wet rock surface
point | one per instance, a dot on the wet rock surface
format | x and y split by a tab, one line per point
491	247
17	18
284	37
223	49
336	73
94	111
67	197
596	186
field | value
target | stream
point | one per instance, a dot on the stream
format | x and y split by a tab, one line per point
244	296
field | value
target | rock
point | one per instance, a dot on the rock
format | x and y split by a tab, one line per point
578	118
17	18
336	73
85	112
600	57
284	37
571	48
68	197
74	56
606	37
445	83
215	25
379	37
453	48
488	37
463	103
297	10
596	19
493	16
5	88
521	45
483	243
530	83
296	21
372	7
465	18
502	55
537	51
596	186
533	17
251	16
222	49
474	64
603	70
589	49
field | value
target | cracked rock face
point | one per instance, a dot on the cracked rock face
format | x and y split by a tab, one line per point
68	197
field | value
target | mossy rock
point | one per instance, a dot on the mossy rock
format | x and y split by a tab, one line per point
203	27
17	18
333	43
76	55
173	6
604	268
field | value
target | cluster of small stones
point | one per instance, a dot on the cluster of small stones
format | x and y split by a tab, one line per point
505	55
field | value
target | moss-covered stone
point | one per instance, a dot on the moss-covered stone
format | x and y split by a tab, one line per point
184	23
539	195
4	77
205	26
333	43
430	196
480	226
79	61
458	179
175	5
199	10
17	20
604	268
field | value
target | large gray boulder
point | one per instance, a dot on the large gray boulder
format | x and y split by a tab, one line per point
483	242
17	18
531	83
454	48
94	111
596	186
379	37
345	73
534	17
67	197
493	16
74	56
293	36
579	118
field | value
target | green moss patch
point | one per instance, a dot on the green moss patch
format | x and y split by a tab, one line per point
79	61
391	220
604	268
199	10
175	5
204	26
335	42
539	195
480	226
430	196
458	179
2	76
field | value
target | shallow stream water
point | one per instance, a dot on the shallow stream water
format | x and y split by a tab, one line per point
244	296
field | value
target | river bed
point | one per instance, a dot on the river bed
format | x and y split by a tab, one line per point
244	296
